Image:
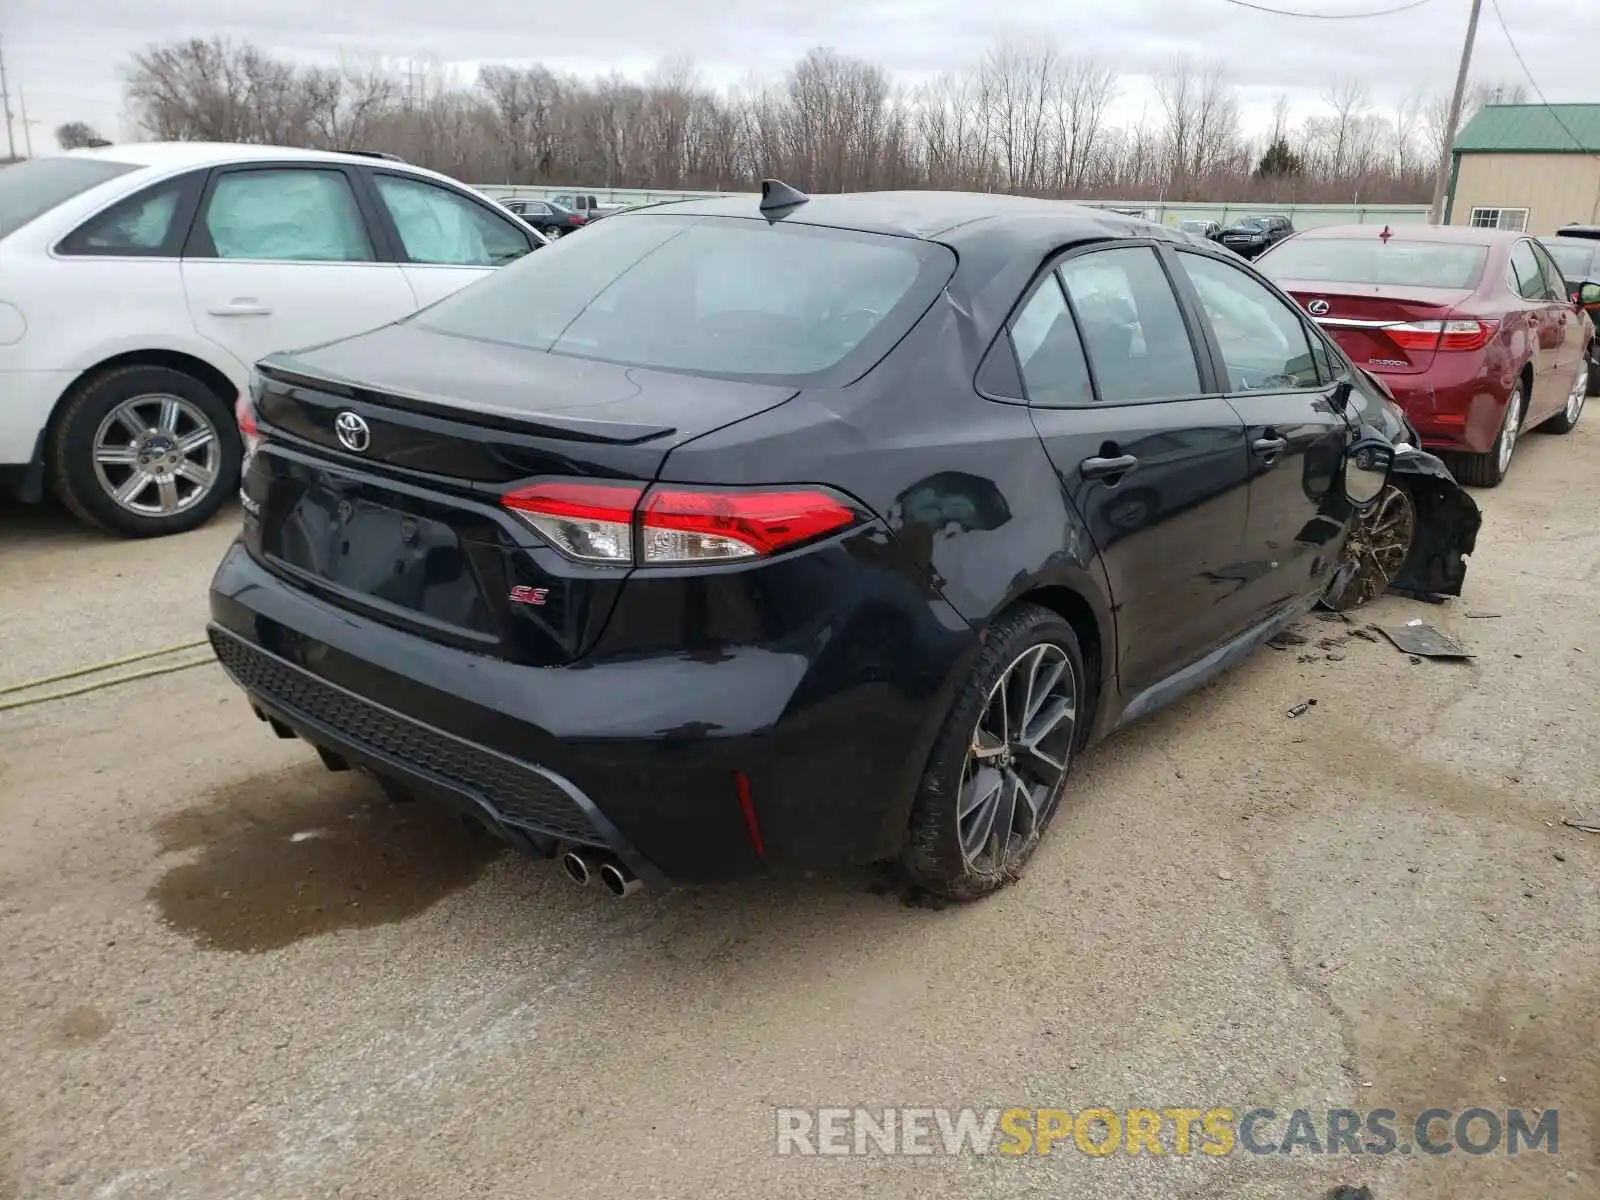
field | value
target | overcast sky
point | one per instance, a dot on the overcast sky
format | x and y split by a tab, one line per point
64	55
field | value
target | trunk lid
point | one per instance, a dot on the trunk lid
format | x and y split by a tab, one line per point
1360	316
400	519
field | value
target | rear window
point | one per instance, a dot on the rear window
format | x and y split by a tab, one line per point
1574	260
1347	260
716	296
33	187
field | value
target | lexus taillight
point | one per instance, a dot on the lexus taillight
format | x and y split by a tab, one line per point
244	413
1467	334
625	523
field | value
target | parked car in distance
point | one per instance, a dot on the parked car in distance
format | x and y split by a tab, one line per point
627	552
549	218
1472	329
139	282
1210	230
586	206
1251	236
1578	260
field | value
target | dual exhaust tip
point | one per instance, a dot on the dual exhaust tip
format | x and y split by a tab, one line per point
584	865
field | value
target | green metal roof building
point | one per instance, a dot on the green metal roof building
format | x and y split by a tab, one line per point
1533	167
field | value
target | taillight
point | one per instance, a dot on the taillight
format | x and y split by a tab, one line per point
578	219
1468	334
690	525
244	413
677	525
590	522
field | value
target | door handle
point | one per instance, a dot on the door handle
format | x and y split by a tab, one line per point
242	307
1269	447
1100	468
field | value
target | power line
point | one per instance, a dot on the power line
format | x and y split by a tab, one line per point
1356	16
1534	83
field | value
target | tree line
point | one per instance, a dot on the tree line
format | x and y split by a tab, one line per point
1023	117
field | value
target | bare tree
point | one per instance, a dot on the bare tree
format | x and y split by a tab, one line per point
76	135
1024	117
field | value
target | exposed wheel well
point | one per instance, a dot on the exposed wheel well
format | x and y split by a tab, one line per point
1075	611
173	359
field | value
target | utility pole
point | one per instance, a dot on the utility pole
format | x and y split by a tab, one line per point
27	134
1436	215
5	103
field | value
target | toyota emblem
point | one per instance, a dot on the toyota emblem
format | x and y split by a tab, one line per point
1317	308
354	434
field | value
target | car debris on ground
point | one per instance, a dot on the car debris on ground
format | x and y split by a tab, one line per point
1421	640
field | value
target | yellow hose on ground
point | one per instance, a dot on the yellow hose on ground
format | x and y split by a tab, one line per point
102	683
28	685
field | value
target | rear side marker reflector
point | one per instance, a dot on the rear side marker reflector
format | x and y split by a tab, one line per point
677	525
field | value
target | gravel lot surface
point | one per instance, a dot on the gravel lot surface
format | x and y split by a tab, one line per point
1371	905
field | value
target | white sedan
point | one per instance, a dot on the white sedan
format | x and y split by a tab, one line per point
139	283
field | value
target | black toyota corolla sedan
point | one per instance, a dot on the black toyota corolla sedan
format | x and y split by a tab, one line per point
741	534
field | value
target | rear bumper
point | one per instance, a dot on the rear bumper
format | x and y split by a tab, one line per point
1454	406
640	756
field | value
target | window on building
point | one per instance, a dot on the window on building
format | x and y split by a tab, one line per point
1514	219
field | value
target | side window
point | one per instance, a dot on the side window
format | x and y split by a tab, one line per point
1131	325
1048	350
441	227
1555	287
293	214
139	225
537	208
1525	272
1262	339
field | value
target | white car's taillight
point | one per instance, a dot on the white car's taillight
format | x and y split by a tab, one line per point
676	525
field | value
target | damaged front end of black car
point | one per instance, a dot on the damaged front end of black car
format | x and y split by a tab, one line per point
1416	539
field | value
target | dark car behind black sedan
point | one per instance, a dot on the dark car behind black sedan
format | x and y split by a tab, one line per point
738	534
1253	236
549	218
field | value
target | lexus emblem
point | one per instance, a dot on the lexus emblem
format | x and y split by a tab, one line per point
354	434
1317	308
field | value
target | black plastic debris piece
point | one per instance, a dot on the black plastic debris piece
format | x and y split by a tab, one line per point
1423	640
1287	638
1348	1191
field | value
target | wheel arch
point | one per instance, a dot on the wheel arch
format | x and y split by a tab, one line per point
1092	622
227	386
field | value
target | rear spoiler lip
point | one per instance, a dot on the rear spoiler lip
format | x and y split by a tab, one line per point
287	372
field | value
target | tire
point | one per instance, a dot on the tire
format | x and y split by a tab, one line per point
1489	469
944	854
89	438
1375	552
1566	420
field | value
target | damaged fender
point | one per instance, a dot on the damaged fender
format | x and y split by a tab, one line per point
1447	527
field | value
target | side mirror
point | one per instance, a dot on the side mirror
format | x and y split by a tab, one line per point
1589	294
1366	469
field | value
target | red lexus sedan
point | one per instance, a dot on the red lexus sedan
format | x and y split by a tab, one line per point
1472	330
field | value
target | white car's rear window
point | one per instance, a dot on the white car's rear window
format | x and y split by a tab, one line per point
31	188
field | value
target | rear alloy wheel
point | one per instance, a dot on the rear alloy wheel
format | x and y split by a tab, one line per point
145	451
1376	549
1487	470
1567	419
1000	763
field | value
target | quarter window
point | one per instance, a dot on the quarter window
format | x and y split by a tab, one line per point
1262	339
139	225
1555	288
1525	272
440	227
295	214
1131	325
1048	350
